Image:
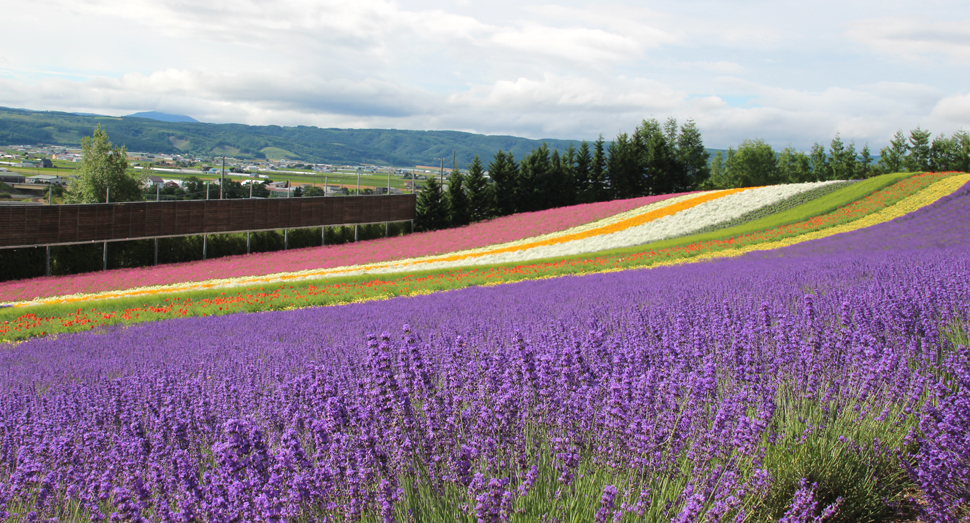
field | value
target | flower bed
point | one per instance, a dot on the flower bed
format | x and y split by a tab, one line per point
885	205
688	393
787	203
500	230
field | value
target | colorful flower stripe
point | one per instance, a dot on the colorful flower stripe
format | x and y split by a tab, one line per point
926	197
478	235
281	298
918	193
726	207
896	200
340	271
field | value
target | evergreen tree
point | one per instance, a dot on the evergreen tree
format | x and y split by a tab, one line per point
865	162
581	174
961	155
622	167
838	167
919	150
941	154
431	212
103	167
533	188
504	174
851	160
670	130
653	165
819	162
567	177
692	156
459	208
554	187
717	171
479	192
892	158
599	184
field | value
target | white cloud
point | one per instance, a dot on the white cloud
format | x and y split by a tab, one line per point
954	109
780	71
915	37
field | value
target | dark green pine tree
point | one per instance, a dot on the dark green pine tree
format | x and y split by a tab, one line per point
599	184
532	191
622	167
865	161
961	154
692	156
505	174
479	192
459	212
919	151
567	177
431	212
581	174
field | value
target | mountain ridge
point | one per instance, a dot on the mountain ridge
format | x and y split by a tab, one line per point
312	144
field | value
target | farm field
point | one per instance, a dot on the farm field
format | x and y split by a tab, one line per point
814	365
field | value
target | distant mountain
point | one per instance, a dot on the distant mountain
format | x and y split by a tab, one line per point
162	117
309	144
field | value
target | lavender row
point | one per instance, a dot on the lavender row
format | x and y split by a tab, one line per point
692	393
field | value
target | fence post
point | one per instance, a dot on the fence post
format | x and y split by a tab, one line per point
104	256
156	251
323	234
286	239
247	242
205	246
47	267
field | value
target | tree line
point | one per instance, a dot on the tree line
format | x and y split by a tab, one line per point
662	159
755	163
655	159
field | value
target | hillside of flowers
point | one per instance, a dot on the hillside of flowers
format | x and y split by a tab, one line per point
500	230
895	200
649	219
825	380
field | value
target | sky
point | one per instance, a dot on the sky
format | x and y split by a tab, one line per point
790	73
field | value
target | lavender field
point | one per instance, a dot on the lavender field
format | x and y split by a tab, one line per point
825	381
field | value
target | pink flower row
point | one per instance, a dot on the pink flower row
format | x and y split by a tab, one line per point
482	234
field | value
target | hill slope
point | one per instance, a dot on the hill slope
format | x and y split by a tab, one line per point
313	144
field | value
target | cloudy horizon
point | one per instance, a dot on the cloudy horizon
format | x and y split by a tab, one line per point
786	73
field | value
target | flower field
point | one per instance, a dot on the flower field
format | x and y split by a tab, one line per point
500	230
656	218
886	204
828	379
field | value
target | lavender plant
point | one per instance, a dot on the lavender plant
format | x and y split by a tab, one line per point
827	381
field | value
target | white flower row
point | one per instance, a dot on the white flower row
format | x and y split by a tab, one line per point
684	222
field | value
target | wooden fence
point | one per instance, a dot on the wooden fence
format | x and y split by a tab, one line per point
46	225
